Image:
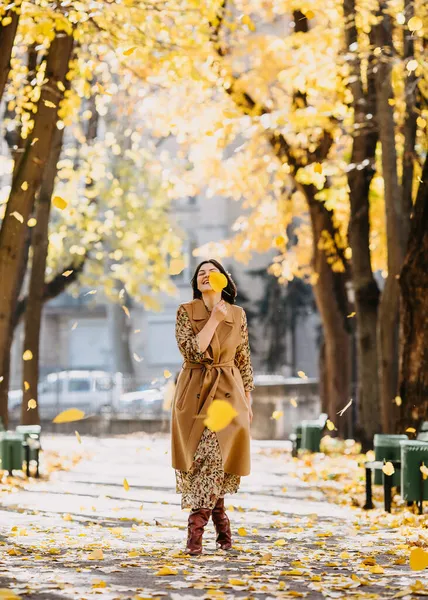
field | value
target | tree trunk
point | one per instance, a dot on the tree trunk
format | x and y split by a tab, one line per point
119	327
395	222
414	317
26	180
330	295
33	315
365	287
7	38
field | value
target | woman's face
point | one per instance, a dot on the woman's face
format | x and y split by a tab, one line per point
203	277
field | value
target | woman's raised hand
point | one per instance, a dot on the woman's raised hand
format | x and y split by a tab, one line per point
219	312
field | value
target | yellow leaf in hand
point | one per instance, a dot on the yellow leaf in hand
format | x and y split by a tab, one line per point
31	404
242	531
219	415
218	281
277	414
126	485
70	415
418	559
59	202
28	355
388	468
166	571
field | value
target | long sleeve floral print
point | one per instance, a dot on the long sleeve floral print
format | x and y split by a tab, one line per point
243	357
186	339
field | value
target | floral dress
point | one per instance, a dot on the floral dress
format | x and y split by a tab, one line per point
206	481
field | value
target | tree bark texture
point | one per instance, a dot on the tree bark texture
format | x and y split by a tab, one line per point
395	221
27	178
332	303
33	315
414	317
7	38
360	174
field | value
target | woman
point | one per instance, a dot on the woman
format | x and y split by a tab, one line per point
212	336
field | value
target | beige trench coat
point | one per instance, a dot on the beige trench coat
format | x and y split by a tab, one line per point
215	378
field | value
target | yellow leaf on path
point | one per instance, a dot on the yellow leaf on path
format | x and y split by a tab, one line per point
166	571
415	23
67	517
176	266
388	468
126	485
242	532
218	281
96	555
99	583
418	559
219	415
129	51
79	439
31	404
377	570
70	415
318	168
6	594
280	542
59	202
126	311
17	216
237	582
133	554
277	414
28	355
167	374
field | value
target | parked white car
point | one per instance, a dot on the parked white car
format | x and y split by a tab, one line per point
94	392
144	403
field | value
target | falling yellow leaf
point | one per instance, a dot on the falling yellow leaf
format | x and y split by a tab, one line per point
415	23
302	374
352	314
96	555
70	415
49	104
219	415
176	266
126	485
418	559
24	186
398	401
126	311
277	414
26	386
136	357
17	216
34	141
410	430
293	402
388	468
32	222
79	439
218	281
31	404
167	374
237	582
73	327
28	355
67	273
318	168
129	51
166	571
424	471
330	425
90	293
309	14
242	532
59	202
279	241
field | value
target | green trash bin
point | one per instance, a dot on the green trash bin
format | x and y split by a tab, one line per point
413	453
11	451
387	446
311	435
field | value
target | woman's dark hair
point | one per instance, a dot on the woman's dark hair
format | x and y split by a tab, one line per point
228	293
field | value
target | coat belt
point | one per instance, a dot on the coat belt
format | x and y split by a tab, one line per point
206	367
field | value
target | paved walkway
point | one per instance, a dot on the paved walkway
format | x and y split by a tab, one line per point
82	534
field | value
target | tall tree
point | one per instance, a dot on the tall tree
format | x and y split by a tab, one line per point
8	26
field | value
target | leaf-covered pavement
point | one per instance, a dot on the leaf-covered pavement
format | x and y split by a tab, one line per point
83	533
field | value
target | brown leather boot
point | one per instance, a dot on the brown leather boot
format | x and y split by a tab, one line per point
197	520
222	525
